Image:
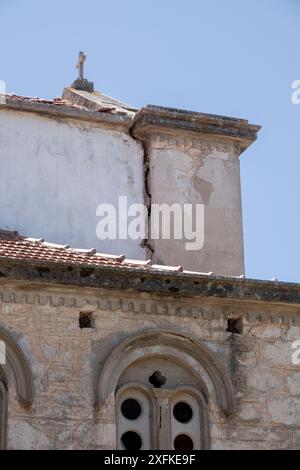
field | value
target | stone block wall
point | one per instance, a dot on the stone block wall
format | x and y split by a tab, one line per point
65	358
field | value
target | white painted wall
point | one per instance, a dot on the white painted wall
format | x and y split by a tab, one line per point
54	174
209	175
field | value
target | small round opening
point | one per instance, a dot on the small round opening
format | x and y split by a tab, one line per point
131	409
131	440
183	442
182	412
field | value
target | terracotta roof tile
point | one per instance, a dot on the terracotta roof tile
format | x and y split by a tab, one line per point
16	247
30	99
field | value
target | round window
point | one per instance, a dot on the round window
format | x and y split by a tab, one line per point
131	440
182	412
183	442
131	409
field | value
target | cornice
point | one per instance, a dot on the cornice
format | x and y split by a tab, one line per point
149	280
115	121
93	300
152	119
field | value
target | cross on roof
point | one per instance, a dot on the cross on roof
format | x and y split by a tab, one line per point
80	64
82	83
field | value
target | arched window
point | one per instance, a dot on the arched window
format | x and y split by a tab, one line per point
14	372
158	385
16	368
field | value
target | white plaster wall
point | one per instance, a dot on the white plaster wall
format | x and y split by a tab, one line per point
196	176
54	174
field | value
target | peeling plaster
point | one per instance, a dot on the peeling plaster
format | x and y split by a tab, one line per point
204	188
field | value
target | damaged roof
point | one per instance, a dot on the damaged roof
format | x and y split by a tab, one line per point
97	101
75	99
97	107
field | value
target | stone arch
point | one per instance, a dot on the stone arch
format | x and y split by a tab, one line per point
17	367
182	347
3	411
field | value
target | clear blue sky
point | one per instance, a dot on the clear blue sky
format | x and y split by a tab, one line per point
231	57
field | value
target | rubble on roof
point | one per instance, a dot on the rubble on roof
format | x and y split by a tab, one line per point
77	99
97	101
79	95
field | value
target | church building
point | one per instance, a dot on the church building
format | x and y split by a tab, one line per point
135	342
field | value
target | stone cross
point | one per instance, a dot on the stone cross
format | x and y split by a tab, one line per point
79	66
82	83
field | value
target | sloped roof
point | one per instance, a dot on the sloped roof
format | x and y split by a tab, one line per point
97	101
28	259
76	100
16	247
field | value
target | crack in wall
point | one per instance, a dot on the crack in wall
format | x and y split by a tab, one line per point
147	193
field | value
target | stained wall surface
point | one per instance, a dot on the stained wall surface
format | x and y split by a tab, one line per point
64	360
55	173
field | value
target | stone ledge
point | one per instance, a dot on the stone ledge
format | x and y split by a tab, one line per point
63	112
150	280
152	118
104	300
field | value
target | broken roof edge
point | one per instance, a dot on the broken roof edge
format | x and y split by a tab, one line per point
99	108
95	99
152	117
66	111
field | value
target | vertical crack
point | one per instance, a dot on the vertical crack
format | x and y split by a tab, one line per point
147	194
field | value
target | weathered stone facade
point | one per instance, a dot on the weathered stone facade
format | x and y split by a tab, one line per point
65	361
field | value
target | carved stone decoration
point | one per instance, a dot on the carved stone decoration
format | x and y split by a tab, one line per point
190	144
167	306
182	348
17	367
